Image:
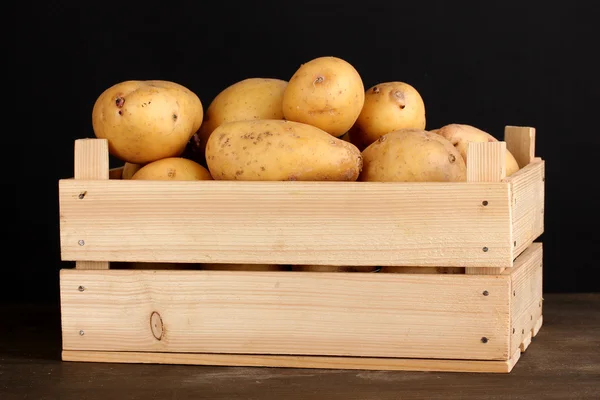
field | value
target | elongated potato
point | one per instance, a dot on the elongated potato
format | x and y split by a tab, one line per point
389	106
326	92
276	150
461	134
173	169
145	121
412	155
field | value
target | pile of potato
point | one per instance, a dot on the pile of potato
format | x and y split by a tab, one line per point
321	125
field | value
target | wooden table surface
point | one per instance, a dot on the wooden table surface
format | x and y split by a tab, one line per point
563	362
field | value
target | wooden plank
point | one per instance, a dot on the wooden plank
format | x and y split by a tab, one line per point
285	361
441	316
486	162
526	296
91	162
309	223
527	197
520	141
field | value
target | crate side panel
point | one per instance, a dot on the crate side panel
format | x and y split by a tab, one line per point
294	313
327	223
528	196
526	295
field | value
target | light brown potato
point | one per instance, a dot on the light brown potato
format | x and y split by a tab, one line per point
461	134
252	98
173	169
411	155
145	121
276	150
326	92
129	169
242	267
333	268
389	106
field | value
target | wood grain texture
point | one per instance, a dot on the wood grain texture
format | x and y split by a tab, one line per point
526	296
91	162
520	141
486	162
441	316
527	198
327	223
250	360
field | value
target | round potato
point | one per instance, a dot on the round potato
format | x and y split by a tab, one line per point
145	121
277	150
252	98
326	92
389	106
412	155
173	169
333	268
461	134
242	267
129	170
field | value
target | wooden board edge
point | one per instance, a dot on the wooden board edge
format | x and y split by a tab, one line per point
538	326
288	361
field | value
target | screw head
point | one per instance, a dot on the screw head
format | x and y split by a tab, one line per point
484	340
81	242
81	333
81	288
486	293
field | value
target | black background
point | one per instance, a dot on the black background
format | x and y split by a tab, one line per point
488	64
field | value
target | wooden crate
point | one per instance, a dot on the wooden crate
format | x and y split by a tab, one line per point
479	319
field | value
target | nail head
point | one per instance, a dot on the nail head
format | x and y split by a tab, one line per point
81	333
81	288
485	249
81	242
484	340
486	293
485	202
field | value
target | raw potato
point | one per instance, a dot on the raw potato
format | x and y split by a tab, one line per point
326	92
242	267
173	169
333	268
253	98
411	155
145	121
129	170
276	150
389	106
461	134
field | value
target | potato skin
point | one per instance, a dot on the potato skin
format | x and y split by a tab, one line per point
276	150
173	169
326	92
412	155
252	98
461	134
145	121
389	106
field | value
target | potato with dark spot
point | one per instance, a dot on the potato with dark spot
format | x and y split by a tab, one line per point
173	169
389	106
326	92
145	121
412	155
460	135
252	98
276	150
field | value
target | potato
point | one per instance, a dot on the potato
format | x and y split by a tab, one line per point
412	155
389	106
129	169
461	134
333	268
326	92
253	98
242	267
173	169
277	150
145	121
